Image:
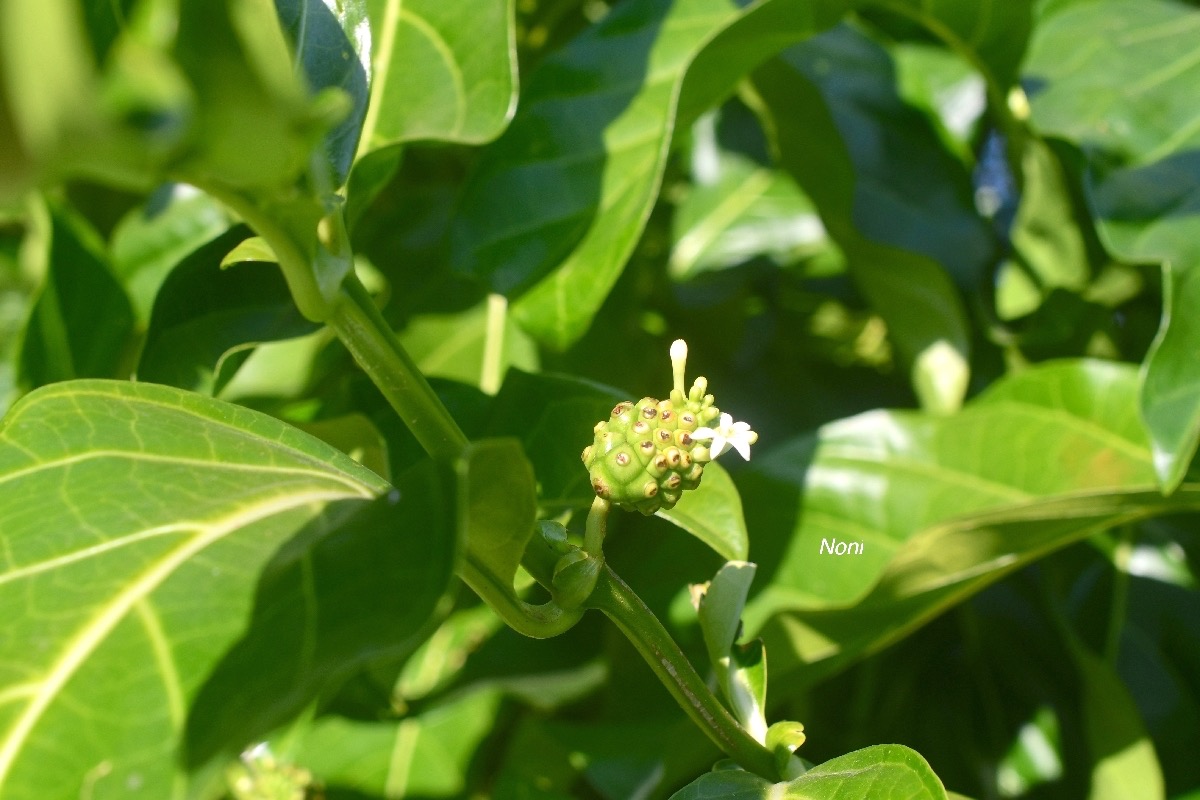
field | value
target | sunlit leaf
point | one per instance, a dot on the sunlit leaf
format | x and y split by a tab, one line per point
136	518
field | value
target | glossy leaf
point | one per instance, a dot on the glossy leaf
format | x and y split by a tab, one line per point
207	320
556	207
319	617
81	322
1126	102
883	772
902	242
329	50
439	70
744	211
156	508
935	521
713	514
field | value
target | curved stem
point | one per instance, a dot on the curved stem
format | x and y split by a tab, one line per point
538	622
367	335
596	528
614	597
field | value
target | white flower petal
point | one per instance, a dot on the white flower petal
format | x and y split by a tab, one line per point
743	447
704	433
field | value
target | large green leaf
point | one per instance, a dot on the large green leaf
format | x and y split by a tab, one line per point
883	772
136	518
902	238
928	511
560	200
439	70
81	322
1127	100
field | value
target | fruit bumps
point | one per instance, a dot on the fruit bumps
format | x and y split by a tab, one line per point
644	456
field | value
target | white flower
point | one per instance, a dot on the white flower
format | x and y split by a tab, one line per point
728	434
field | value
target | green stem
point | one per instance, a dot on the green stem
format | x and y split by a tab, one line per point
367	335
596	528
614	597
538	622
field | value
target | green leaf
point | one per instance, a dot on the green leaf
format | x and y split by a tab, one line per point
498	507
207	320
136	518
713	514
1124	764
1126	101
327	608
902	241
991	34
888	518
330	49
428	755
476	346
81	322
150	240
558	203
440	70
741	671
553	415
1045	233
883	772
744	211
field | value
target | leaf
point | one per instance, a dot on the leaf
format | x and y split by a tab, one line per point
558	203
499	507
428	755
207	320
882	772
329	49
741	672
713	514
150	240
476	346
939	508
439	70
553	416
136	518
1045	232
746	211
1126	101
991	35
1123	758
901	238
327	608
81	321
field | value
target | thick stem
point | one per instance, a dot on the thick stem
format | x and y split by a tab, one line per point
538	622
614	597
367	335
596	528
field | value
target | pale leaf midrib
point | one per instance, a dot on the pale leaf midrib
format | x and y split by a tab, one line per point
110	614
183	461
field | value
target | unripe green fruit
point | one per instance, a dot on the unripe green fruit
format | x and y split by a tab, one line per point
643	456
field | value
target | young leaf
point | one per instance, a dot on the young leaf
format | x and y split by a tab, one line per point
135	519
883	772
741	672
